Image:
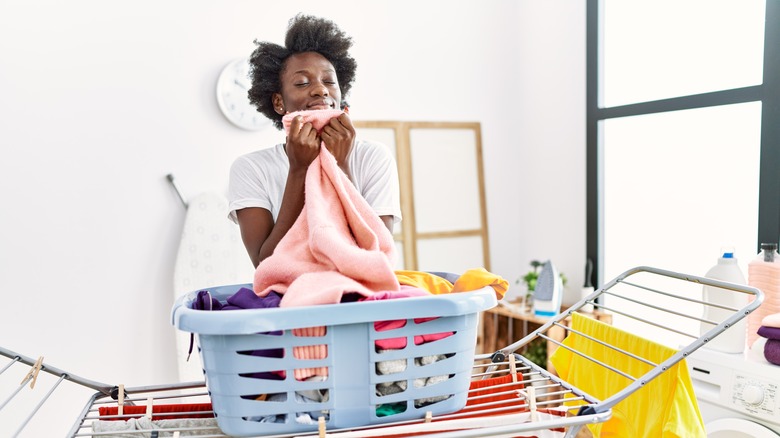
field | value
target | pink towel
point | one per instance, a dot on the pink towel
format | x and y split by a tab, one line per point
337	245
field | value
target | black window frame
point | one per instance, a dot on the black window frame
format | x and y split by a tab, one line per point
768	93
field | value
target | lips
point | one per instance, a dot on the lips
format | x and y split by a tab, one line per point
319	104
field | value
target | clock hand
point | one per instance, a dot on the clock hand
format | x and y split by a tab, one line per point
240	84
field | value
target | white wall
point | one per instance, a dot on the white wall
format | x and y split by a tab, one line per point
100	100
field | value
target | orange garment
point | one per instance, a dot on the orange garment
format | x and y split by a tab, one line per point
425	281
471	280
478	278
665	407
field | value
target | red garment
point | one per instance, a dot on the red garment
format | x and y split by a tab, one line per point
490	387
381	326
140	411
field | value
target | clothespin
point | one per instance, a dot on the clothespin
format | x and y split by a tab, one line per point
530	395
321	426
32	376
120	400
149	407
513	367
428	416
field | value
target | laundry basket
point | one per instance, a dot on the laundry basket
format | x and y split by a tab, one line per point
261	384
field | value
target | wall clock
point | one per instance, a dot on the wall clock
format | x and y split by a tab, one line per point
232	87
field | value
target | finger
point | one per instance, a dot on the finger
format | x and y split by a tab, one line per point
328	131
346	122
295	124
344	119
336	125
305	131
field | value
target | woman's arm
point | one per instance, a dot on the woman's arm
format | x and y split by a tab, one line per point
388	221
258	231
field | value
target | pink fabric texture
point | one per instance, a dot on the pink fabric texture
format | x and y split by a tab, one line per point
337	245
304	352
381	326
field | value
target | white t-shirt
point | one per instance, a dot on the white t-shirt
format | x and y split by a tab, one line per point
258	179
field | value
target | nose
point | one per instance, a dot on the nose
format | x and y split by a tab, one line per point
320	90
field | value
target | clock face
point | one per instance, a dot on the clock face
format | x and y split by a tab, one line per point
232	87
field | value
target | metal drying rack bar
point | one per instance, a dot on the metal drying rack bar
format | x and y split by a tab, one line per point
535	399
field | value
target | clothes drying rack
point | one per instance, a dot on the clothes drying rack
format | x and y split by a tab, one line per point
657	304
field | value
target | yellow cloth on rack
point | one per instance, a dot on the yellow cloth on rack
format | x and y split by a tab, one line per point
664	407
473	279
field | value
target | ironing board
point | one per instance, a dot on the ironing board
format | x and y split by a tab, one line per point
210	253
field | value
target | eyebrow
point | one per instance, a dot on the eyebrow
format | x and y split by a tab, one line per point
308	71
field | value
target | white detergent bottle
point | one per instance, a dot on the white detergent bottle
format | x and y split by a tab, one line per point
733	339
764	274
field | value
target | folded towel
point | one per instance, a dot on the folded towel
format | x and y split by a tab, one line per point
337	245
772	351
769	332
771	320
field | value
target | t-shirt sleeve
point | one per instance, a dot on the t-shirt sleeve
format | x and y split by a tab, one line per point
246	188
380	187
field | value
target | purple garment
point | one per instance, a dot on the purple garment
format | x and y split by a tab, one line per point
769	332
772	351
244	298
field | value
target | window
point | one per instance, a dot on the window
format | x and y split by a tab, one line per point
683	138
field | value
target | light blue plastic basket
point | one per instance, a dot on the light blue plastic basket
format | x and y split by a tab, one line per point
244	404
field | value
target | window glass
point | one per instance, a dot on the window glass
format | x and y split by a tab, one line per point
678	186
667	48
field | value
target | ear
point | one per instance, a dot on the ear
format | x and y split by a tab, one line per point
278	103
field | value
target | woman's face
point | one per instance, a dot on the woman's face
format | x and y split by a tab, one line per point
308	82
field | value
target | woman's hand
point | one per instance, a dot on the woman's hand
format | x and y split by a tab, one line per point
303	144
338	136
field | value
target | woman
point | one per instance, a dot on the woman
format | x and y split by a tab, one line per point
312	71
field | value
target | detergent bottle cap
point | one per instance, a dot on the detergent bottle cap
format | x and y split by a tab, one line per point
769	250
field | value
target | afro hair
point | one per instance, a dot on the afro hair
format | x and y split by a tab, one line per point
305	33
